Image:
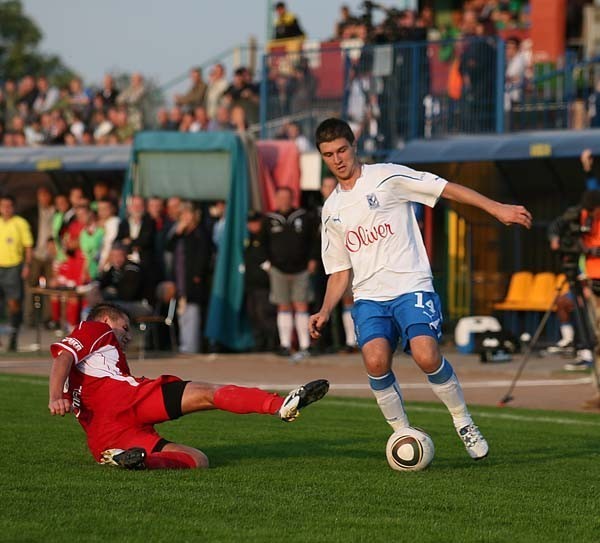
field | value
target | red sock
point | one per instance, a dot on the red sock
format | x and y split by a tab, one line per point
170	460
244	400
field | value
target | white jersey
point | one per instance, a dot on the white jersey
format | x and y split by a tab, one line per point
373	230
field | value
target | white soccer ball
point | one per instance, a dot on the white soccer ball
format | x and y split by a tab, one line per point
409	449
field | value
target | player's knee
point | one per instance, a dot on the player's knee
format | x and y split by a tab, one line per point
427	356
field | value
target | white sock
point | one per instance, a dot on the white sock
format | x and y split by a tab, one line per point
446	387
389	398
348	327
586	355
301	319
567	333
285	326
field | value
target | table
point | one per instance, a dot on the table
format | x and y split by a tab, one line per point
63	294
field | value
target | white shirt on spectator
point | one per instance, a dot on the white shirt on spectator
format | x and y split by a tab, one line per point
111	229
214	92
46	103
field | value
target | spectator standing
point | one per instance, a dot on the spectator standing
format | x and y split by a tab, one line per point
516	69
109	91
289	237
109	222
242	92
16	244
42	259
195	96
261	312
191	249
61	206
138	233
286	24
90	242
132	98
217	85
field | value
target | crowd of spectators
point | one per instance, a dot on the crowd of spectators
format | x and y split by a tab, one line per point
162	252
35	112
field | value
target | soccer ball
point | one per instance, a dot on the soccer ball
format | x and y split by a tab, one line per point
409	449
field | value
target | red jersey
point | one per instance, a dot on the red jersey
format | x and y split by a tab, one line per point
115	409
97	356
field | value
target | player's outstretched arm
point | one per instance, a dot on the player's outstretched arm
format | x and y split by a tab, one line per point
336	286
58	375
505	213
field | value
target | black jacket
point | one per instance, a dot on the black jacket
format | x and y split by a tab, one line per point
197	254
144	243
290	240
125	283
254	255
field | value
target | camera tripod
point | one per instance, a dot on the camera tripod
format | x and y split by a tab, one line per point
584	327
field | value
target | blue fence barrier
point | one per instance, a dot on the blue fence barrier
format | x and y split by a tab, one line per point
393	93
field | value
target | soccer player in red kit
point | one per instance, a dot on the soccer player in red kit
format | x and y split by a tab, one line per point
91	378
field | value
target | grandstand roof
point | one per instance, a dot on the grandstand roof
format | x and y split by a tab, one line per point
88	158
490	148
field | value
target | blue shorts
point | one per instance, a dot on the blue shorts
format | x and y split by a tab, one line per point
408	316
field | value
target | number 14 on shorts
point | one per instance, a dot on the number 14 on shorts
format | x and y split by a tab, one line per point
428	304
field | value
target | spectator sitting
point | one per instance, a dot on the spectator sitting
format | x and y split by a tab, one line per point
196	95
217	85
201	120
221	121
132	98
47	96
79	101
238	119
287	24
27	93
121	283
186	122
162	119
175	118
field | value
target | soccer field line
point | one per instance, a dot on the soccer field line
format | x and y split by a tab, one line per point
481	414
372	405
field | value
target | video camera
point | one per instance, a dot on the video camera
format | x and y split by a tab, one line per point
570	231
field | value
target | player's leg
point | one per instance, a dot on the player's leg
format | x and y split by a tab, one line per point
377	338
446	386
246	400
300	294
377	357
420	318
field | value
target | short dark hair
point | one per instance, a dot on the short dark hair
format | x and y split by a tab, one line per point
280	5
332	129
590	199
8	197
104	309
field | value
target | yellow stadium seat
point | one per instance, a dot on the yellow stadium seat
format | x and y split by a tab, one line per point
543	292
519	290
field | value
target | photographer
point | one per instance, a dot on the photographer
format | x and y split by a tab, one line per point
577	232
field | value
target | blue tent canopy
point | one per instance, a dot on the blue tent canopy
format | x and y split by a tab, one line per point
62	158
491	148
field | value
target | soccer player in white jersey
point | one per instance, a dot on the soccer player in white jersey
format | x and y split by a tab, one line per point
369	229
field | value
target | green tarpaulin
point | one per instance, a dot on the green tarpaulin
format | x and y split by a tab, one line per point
204	166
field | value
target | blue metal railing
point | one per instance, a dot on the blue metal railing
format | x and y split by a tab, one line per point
397	92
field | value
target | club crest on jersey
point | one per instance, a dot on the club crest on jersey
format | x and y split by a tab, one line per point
372	201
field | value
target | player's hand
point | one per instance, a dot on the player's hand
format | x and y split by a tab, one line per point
59	407
316	323
509	214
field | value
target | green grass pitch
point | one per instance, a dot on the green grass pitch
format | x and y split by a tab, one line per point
322	478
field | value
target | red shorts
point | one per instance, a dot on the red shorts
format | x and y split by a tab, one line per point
119	415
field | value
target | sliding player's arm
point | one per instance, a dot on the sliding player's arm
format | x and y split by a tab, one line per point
505	213
61	366
336	286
